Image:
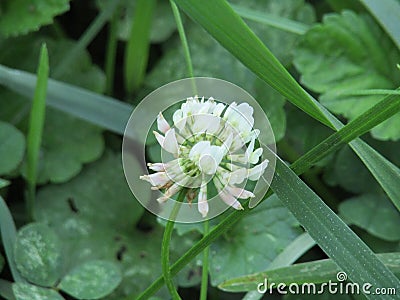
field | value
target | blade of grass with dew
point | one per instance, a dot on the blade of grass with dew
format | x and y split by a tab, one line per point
8	237
310	272
387	13
271	20
100	110
384	169
137	48
333	236
220	20
35	130
332	143
87	37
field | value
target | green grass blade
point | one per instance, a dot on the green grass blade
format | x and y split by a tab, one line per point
8	236
111	52
271	20
101	110
87	37
219	19
311	272
35	130
137	48
387	13
333	236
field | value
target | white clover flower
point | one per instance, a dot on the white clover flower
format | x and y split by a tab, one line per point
211	142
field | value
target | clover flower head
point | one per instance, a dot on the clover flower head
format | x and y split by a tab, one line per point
210	142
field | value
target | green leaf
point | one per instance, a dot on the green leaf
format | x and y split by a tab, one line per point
137	48
350	173
22	16
218	18
38	254
311	272
8	237
364	58
61	131
374	213
92	280
387	13
102	183
12	147
24	291
330	232
67	144
269	229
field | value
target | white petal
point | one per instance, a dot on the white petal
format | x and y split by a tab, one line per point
238	192
160	139
218	109
162	124
156	167
179	119
250	149
255	156
198	149
170	143
256	172
237	176
230	200
156	179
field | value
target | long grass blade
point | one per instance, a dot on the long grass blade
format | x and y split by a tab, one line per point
35	130
3	183
137	49
220	20
100	110
271	20
311	272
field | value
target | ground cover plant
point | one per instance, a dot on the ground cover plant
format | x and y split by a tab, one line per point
326	73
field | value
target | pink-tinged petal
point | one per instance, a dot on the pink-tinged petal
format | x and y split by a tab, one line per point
157	167
156	179
160	139
239	192
162	124
170	143
202	205
256	172
230	200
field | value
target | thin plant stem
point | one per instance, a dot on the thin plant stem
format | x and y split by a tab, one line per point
165	247
204	275
183	38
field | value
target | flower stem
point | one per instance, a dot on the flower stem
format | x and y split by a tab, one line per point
166	245
111	52
204	275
